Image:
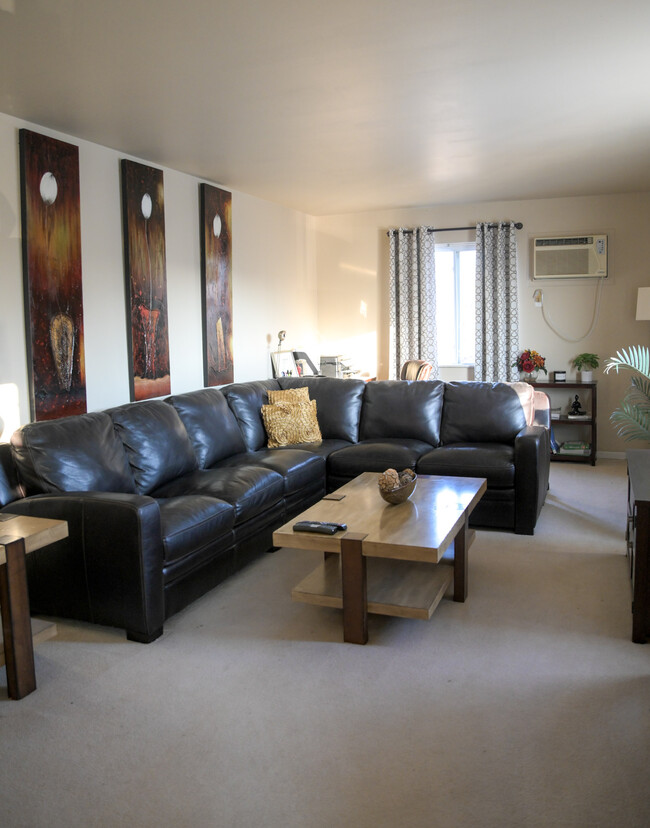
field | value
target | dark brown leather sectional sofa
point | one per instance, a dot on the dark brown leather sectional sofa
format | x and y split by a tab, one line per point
165	499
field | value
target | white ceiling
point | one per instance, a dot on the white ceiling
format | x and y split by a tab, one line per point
351	104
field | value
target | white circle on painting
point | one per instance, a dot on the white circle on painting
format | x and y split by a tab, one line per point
216	225
49	188
145	205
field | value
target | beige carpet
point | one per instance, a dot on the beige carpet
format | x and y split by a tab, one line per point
526	706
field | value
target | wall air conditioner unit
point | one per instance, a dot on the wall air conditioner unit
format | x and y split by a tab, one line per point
570	257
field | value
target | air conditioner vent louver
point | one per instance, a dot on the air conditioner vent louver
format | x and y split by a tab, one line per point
570	257
561	242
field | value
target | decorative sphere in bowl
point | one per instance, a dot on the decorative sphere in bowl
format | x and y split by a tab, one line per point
397	488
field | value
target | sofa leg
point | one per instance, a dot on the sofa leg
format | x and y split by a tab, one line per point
143	638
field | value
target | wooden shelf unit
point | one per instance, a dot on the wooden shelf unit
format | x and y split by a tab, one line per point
638	540
590	404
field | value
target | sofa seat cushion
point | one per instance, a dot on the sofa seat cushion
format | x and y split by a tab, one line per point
494	461
376	456
250	489
299	469
191	523
322	449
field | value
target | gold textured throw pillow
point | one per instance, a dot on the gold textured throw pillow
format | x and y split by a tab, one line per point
289	395
287	424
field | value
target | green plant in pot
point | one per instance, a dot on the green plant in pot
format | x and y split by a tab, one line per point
586	363
632	419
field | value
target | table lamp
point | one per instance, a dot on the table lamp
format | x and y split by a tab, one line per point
643	303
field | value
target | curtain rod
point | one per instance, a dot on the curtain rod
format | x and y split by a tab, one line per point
518	226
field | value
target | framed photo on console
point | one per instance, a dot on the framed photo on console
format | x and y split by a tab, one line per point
283	364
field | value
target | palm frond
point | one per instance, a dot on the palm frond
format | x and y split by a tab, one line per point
642	387
637	399
630	422
632	419
635	358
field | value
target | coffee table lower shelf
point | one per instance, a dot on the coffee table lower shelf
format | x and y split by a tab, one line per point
404	589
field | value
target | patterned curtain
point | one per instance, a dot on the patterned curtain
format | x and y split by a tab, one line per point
497	303
412	299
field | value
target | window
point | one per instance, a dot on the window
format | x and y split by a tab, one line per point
455	280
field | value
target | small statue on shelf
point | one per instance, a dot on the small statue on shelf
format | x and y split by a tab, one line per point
576	410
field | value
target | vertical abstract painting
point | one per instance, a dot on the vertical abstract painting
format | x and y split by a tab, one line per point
51	228
216	277
143	213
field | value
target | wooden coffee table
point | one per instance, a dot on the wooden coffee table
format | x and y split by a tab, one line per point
20	535
404	544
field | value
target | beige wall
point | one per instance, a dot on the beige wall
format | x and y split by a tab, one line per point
274	283
352	265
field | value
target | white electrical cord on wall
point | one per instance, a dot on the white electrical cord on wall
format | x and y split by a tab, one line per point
538	296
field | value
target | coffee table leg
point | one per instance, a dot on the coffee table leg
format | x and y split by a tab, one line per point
354	589
16	622
460	564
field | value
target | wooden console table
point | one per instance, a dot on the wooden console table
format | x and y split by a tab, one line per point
20	535
638	540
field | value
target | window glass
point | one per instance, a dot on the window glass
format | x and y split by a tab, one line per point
455	303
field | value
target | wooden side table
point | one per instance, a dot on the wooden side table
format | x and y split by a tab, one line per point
20	535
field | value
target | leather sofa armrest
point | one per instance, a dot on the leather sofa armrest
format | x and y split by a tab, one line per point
532	468
111	565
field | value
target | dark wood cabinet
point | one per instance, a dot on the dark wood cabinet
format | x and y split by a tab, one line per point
638	540
567	428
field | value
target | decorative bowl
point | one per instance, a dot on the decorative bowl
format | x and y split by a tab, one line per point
400	495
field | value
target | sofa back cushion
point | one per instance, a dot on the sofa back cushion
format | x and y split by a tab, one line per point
246	400
481	412
156	443
71	454
398	408
338	402
9	487
210	424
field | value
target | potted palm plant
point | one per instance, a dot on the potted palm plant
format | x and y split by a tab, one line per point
585	363
632	418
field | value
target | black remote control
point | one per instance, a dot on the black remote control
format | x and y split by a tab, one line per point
319	527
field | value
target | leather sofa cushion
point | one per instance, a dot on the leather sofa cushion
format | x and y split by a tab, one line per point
210	423
191	523
495	462
9	486
323	449
299	469
338	404
481	412
156	443
396	408
250	489
72	454
246	400
376	456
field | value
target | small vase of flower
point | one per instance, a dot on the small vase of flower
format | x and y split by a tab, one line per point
530	363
